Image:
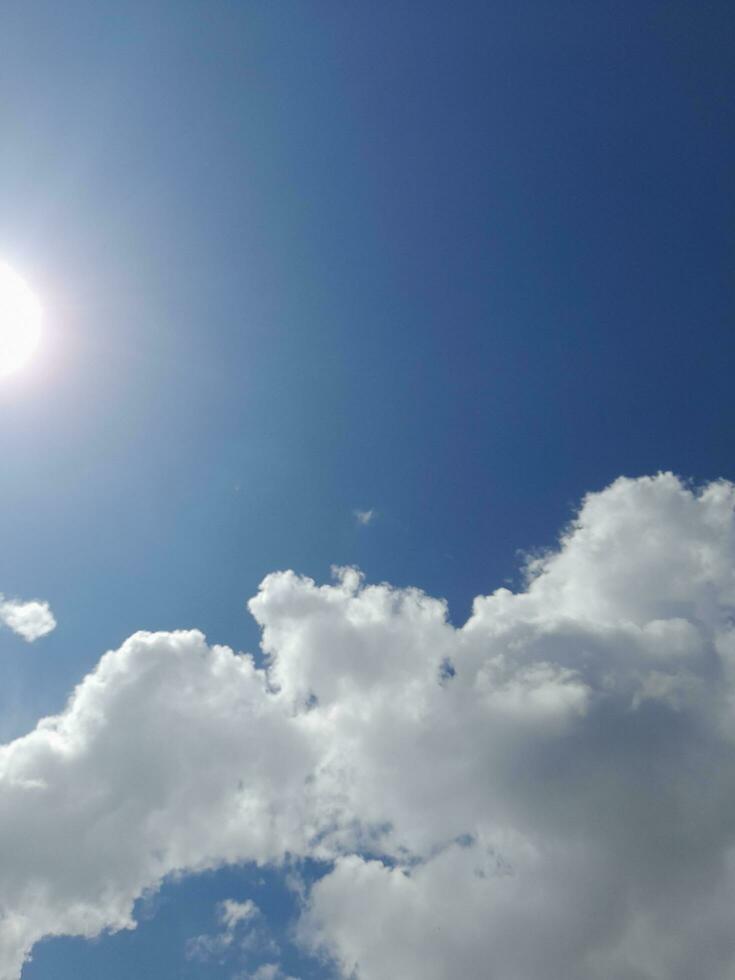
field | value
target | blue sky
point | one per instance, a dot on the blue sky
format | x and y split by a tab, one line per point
454	264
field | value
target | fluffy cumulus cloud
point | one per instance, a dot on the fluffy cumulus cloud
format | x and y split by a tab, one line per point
31	620
548	790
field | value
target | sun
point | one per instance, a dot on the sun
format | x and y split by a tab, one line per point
20	321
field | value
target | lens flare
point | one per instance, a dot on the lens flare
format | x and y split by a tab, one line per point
20	321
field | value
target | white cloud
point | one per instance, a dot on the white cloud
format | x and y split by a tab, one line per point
561	805
31	620
233	916
233	913
266	971
170	755
364	517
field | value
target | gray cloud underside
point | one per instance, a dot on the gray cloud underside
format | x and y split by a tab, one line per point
563	806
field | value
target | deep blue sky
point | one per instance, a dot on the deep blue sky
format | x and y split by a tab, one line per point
459	263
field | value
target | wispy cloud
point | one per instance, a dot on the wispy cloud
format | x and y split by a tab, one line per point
364	517
233	916
244	936
31	620
266	971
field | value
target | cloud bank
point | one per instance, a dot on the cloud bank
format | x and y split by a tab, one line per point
31	620
547	791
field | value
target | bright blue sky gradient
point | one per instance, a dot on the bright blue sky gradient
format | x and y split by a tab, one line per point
459	263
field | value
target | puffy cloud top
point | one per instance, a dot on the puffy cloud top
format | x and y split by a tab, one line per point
547	791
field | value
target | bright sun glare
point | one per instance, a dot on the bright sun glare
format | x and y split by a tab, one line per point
20	321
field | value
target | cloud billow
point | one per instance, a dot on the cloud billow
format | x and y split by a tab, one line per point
559	803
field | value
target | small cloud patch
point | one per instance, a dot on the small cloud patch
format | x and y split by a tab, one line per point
31	620
243	933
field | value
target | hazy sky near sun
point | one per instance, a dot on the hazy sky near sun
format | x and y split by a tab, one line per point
383	285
